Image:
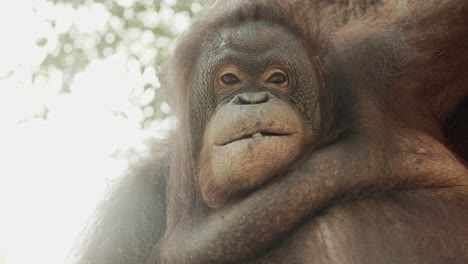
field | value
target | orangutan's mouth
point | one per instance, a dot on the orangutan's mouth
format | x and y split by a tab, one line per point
256	135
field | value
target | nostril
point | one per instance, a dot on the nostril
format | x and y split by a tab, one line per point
252	98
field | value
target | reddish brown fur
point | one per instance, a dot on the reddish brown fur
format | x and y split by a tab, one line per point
408	70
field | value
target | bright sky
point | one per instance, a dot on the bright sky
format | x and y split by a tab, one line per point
53	172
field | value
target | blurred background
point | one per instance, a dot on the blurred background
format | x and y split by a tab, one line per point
79	94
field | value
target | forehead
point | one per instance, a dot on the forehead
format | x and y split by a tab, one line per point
255	41
254	36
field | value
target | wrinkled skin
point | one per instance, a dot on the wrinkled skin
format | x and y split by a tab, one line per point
356	156
258	129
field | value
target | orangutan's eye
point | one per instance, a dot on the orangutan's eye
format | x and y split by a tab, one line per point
229	79
277	78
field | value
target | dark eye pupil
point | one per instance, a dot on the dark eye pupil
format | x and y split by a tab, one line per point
277	78
229	79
